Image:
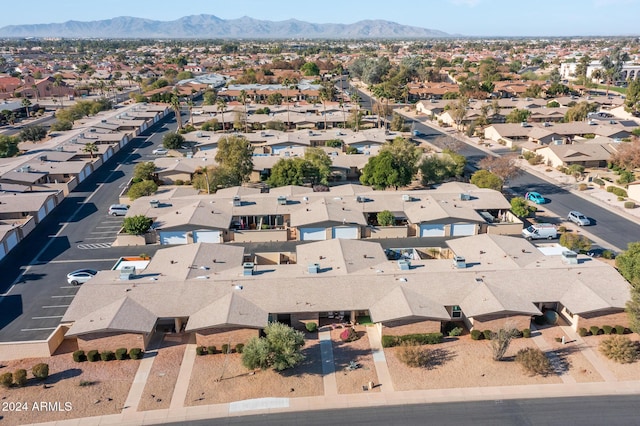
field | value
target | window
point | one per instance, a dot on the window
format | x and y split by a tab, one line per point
456	312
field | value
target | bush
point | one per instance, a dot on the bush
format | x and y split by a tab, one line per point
211	350
575	242
389	341
85	383
106	356
6	380
121	353
413	355
172	141
619	349
607	329
598	182
583	187
226	349
558	339
142	189
179	182
595	330
239	348
201	350
629	205
79	356
487	334
417	339
619	329
534	361
20	377
137	225
582	332
136	353
617	191
476	335
562	229
608	254
40	371
311	327
348	335
526	333
93	356
456	332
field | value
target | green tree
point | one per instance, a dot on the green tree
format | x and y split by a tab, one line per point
310	69
291	171
575	242
385	218
632	100
280	349
327	93
33	133
436	169
8	146
172	140
633	310
61	126
174	101
221	105
321	162
142	189
137	225
235	155
26	103
144	171
628	264
397	122
580	111
274	99
394	166
521	208
90	148
518	115
486	179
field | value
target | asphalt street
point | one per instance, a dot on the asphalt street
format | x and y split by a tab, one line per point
34	293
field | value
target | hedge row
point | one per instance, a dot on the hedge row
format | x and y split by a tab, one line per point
488	334
418	339
226	349
605	329
119	354
19	377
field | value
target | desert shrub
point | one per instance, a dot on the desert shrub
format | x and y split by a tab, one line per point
619	349
413	355
562	229
85	383
93	356
598	181
6	380
526	333
617	191
20	377
226	349
40	371
620	198
79	356
607	329
311	327
135	353
239	348
500	341
595	330
121	353
211	350
389	341
608	254
575	242
179	182
619	329
629	205
348	335
583	187
487	334
476	335
582	332
106	355
416	339
534	361
456	331
558	339
201	350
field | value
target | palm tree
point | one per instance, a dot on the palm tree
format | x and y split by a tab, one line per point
344	115
57	83
221	106
175	105
327	92
288	83
90	147
35	92
129	78
205	170
190	108
26	103
355	98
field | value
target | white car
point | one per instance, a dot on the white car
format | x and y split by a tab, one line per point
118	210
160	151
80	276
578	218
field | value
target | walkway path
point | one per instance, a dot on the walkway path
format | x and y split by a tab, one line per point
328	366
140	380
556	362
379	359
184	376
606	374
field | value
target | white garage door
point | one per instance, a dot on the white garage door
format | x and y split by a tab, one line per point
50	205
81	176
41	213
177	237
458	229
313	234
345	232
12	241
206	236
436	230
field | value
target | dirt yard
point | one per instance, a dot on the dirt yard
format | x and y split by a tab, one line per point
222	378
106	394
359	351
164	374
621	371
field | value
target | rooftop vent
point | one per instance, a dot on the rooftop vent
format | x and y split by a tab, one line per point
25	168
42	158
459	262
282	200
360	199
465	197
570	257
406	197
127	272
237	202
154	203
313	268
248	268
404	264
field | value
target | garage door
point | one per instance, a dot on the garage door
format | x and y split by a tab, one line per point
459	229
206	236
345	232
179	237
41	213
50	205
432	230
12	241
313	234
2	251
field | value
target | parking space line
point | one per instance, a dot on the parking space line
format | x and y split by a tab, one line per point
82	260
101	232
55	306
53	316
59	297
39	329
110	226
99	238
68	286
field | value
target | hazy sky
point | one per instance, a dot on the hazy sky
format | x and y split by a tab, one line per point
466	17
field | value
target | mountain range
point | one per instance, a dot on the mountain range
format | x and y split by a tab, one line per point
210	26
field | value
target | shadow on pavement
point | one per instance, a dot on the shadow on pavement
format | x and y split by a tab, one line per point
11	308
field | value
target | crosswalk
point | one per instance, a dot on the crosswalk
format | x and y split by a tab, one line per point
93	246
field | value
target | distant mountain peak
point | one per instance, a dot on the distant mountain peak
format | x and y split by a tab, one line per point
211	26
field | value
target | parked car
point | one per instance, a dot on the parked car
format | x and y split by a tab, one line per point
578	218
160	151
540	231
118	209
535	197
80	276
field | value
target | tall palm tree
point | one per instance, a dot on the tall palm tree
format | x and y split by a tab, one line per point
175	105
90	147
205	171
327	92
57	83
26	103
221	106
355	98
35	92
129	78
288	83
243	98
190	108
